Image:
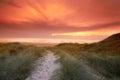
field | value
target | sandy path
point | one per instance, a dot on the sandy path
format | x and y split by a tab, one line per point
45	68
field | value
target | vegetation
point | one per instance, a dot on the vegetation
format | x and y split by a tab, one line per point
103	58
109	46
108	66
16	60
74	69
95	61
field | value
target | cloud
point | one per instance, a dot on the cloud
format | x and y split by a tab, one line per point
94	10
41	18
78	11
44	29
65	28
9	2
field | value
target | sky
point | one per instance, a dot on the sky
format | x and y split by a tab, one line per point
58	20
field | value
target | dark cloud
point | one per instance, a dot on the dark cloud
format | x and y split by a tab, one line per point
9	2
92	10
45	30
65	28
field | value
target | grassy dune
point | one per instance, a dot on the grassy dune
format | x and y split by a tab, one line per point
106	66
95	61
74	69
16	60
101	58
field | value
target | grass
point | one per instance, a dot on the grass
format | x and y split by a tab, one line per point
16	60
108	66
74	69
105	63
78	61
14	67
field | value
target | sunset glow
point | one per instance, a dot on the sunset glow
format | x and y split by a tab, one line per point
80	34
58	20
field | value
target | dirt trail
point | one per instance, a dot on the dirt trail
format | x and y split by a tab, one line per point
45	67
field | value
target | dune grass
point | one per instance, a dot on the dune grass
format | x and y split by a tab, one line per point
16	60
74	69
15	67
107	65
79	62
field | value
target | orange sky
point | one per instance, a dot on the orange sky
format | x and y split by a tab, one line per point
59	20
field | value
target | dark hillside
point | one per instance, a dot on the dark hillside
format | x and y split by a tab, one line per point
110	45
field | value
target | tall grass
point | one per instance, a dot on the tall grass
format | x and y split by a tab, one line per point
108	66
16	60
103	61
74	69
15	67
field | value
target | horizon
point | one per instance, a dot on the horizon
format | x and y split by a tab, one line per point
37	40
47	41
